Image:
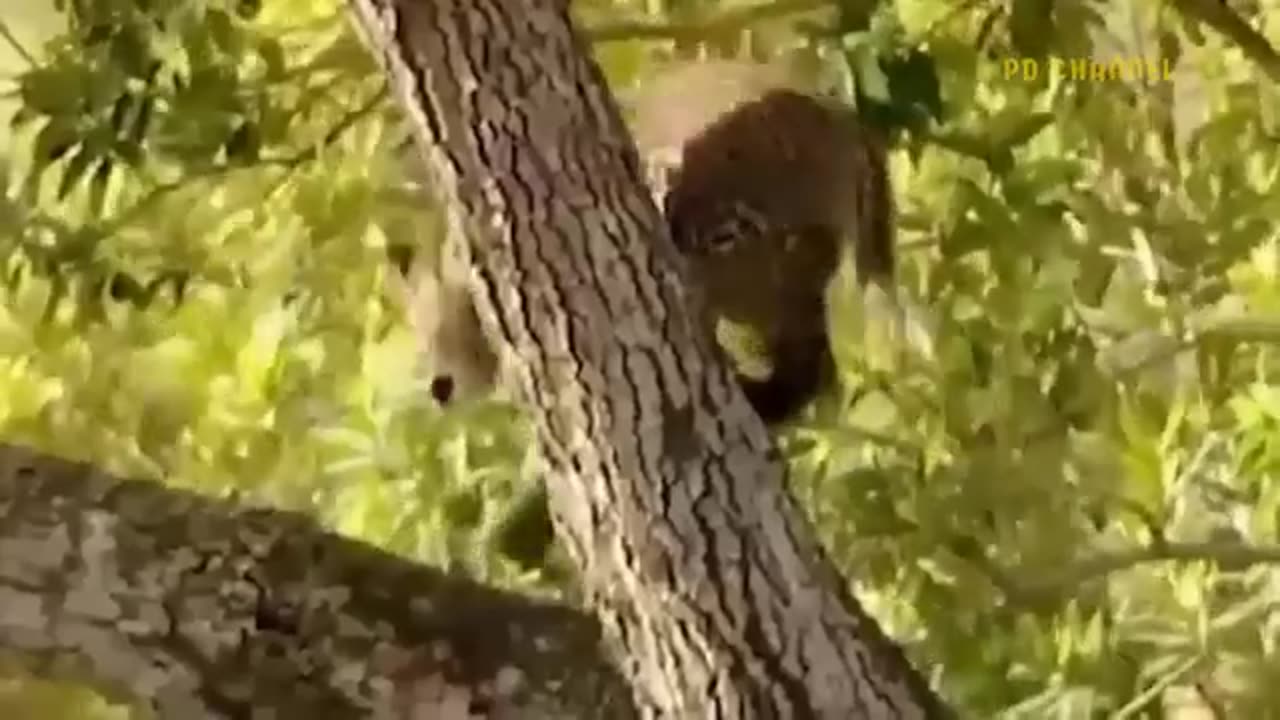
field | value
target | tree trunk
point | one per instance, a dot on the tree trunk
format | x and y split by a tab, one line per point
666	490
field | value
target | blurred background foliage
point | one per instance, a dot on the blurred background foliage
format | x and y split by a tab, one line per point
1067	507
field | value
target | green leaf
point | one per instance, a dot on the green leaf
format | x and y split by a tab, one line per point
1031	27
80	163
54	91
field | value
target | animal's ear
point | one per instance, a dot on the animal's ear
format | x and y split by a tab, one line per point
402	256
442	389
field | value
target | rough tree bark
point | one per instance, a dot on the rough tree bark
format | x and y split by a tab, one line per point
196	609
666	490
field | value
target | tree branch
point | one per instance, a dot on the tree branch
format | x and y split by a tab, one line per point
1067	581
205	610
1228	553
726	21
1219	16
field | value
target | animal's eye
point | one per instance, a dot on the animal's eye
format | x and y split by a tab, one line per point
733	226
721	238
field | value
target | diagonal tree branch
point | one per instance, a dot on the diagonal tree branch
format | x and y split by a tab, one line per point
1219	16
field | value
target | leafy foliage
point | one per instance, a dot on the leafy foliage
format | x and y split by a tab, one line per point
1067	505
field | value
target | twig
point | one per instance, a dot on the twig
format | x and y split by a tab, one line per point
288	162
12	39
